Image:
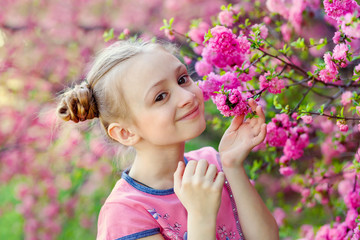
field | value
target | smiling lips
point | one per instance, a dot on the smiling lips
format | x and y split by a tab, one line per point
193	113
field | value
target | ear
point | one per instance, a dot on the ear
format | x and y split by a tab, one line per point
122	134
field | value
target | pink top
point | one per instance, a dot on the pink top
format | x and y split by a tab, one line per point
135	211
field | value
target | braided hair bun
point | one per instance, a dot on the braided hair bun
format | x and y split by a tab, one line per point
78	104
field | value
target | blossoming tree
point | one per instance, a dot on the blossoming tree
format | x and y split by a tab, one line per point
270	51
297	58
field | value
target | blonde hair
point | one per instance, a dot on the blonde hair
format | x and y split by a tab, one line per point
100	96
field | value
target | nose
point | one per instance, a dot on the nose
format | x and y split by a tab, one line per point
185	97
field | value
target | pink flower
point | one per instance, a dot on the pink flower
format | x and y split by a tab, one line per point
295	149
296	14
197	33
342	126
336	38
327	76
345	186
229	80
346	98
267	20
284	160
351	216
330	65
203	68
210	85
225	49
187	60
169	34
278	6
357	155
286	171
327	126
307	119
282	119
352	199
338	232
274	84
338	8
262	28
226	17
234	107
307	231
275	136
305	192
350	27
356	235
331	149
286	32
323	233
126	31
340	53
279	215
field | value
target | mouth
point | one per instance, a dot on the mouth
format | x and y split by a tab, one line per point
193	113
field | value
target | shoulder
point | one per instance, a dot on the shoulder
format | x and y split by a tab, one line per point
118	220
123	216
208	153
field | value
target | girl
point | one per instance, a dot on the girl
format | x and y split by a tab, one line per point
145	99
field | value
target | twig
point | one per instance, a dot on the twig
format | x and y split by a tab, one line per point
330	116
302	99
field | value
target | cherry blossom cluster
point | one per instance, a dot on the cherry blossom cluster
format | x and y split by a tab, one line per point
288	135
225	48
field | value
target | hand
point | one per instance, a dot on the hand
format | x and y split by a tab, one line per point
241	137
199	186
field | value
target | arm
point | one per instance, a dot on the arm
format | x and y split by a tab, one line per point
199	187
236	144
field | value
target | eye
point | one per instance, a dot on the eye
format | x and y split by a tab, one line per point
183	79
160	97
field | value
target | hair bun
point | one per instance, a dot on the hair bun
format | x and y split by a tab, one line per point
78	104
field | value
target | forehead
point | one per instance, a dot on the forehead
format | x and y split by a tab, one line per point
145	69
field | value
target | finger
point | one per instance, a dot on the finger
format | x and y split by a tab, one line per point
253	121
201	168
189	169
178	175
256	128
236	122
211	173
219	180
252	104
260	113
260	138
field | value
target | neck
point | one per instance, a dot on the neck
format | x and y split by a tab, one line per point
155	165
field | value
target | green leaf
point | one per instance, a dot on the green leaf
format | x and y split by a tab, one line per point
299	43
276	103
247	22
108	35
207	36
320	46
356	57
321	110
312	42
121	36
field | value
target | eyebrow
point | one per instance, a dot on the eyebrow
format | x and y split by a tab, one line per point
177	70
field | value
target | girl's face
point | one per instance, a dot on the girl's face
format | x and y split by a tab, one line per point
168	107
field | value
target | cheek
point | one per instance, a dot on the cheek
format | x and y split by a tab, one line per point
198	92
